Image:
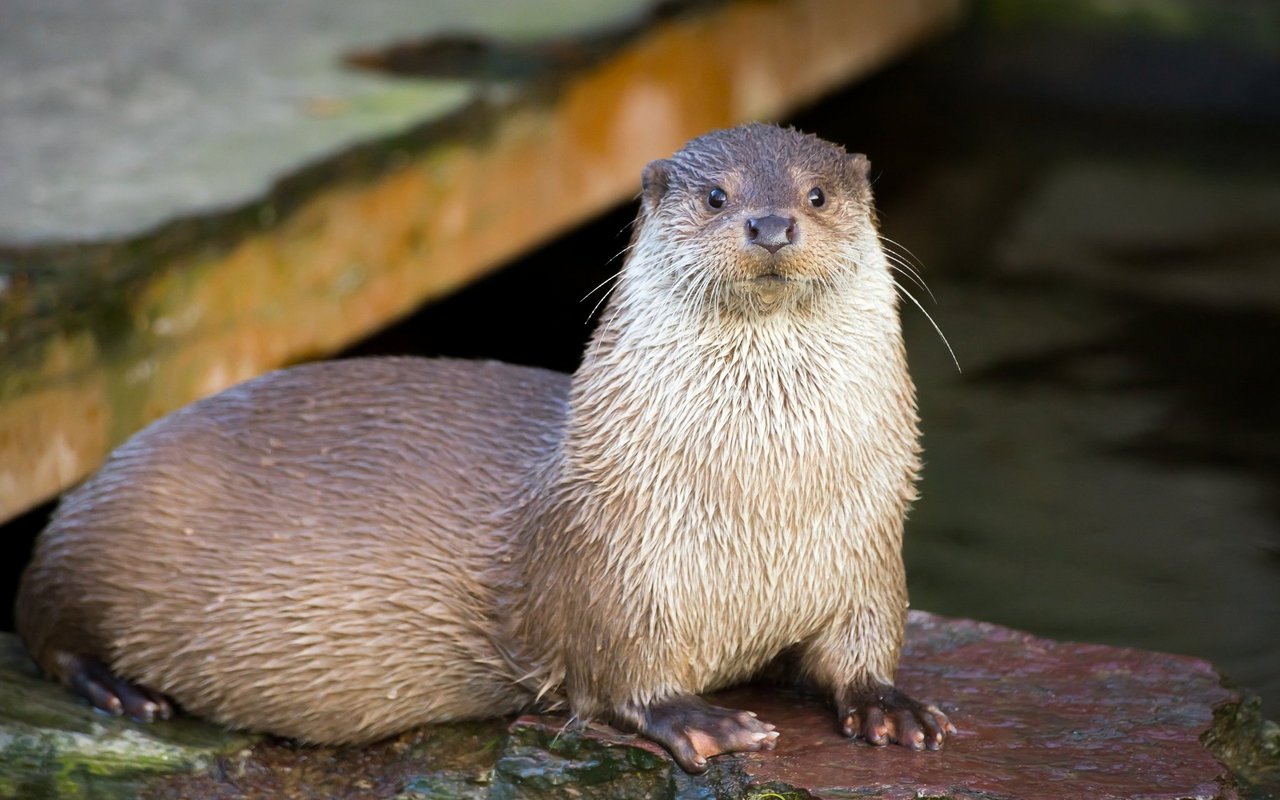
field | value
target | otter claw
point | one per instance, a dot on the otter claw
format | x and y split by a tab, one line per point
94	681
884	715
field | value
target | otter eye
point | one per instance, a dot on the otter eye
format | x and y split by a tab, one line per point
717	198
816	198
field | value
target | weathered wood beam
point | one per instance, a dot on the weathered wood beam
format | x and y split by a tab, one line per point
97	338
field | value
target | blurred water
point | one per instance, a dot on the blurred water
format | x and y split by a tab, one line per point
1106	467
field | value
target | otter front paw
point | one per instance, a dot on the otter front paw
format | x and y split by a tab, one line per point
693	730
882	715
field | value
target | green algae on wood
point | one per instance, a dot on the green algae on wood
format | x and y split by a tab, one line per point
184	107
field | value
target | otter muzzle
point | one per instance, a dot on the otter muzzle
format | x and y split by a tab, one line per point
772	232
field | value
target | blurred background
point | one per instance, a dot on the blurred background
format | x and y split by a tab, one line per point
1090	189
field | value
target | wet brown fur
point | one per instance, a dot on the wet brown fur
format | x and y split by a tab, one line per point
343	550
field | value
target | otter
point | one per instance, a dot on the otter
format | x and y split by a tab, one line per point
340	551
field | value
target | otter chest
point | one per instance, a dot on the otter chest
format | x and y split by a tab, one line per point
735	489
759	540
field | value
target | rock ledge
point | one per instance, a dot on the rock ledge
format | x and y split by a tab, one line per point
1037	718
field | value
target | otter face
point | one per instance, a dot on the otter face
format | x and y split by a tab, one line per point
761	216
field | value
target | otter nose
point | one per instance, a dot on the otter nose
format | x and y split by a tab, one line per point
772	232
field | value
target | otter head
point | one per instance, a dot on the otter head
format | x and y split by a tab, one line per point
755	219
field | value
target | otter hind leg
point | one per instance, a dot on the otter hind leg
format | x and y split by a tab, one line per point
883	714
95	682
693	730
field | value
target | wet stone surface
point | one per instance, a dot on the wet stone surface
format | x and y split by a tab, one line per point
53	745
1037	718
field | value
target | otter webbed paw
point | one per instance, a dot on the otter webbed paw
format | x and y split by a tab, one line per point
693	730
95	682
884	715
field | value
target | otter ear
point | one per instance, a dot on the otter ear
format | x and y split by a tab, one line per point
654	182
860	176
860	167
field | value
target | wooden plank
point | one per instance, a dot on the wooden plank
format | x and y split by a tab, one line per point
96	340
